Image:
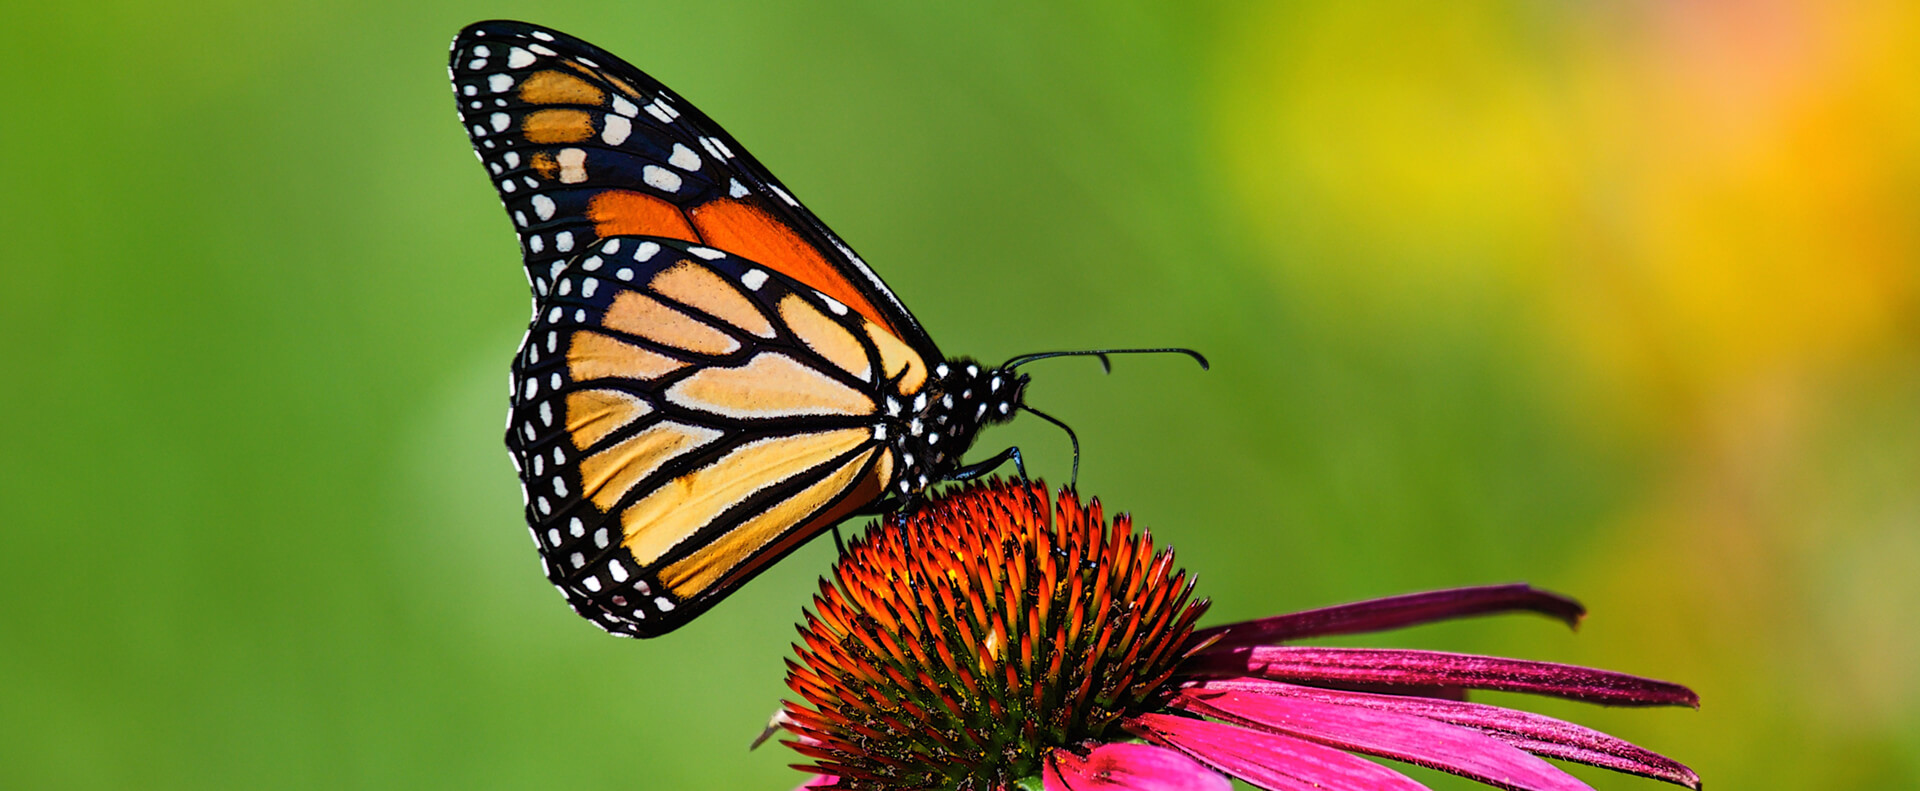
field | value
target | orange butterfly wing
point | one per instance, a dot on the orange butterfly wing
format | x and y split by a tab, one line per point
584	146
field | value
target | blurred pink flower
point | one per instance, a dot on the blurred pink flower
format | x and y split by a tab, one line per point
979	644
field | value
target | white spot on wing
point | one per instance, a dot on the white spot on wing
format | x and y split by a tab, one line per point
500	121
499	83
706	252
754	279
543	206
624	107
684	158
646	251
563	241
518	58
616	131
660	178
573	165
736	189
783	195
658	110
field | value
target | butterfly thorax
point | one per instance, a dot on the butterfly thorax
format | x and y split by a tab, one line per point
933	429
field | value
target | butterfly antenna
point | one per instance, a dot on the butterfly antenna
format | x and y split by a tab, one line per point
1071	437
1102	354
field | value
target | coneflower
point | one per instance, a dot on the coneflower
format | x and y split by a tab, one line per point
995	640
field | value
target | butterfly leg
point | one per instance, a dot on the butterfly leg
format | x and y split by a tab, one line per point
838	544
980	468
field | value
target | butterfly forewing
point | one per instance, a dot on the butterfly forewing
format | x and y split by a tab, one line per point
583	146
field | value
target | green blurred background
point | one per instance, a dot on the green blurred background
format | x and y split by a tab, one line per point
1618	298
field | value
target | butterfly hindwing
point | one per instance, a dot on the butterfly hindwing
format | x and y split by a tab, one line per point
683	417
583	146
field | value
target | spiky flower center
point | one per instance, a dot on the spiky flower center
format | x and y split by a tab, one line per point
956	646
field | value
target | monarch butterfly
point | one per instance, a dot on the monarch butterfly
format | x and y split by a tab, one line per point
711	376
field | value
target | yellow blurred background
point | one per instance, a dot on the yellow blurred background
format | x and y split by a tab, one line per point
1621	299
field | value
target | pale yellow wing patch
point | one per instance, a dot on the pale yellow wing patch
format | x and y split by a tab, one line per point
557	87
593	414
680	507
607	476
896	357
591	355
706	565
699	287
769	385
638	314
557	126
825	337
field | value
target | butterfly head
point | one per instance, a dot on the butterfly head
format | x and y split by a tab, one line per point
941	421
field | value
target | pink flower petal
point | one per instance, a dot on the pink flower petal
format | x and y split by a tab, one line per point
1416	740
1129	767
817	781
1269	760
1387	668
1537	734
1396	612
